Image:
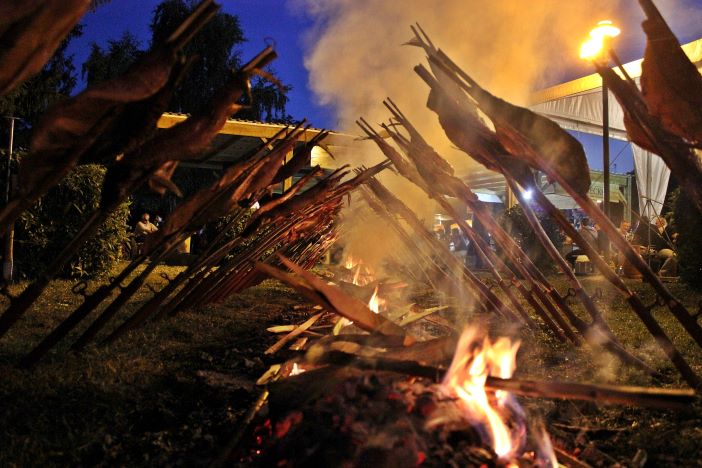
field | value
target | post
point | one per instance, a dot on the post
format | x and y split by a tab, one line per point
8	250
605	159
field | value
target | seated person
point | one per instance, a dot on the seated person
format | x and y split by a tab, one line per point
589	234
666	256
644	234
144	227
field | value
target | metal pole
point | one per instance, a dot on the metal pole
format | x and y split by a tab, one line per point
605	159
8	251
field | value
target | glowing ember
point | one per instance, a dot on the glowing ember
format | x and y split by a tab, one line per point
375	302
496	415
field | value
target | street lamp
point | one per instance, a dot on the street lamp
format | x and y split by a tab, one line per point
596	49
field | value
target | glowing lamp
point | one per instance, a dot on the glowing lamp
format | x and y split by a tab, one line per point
592	48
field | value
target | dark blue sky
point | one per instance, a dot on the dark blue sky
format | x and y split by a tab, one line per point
259	19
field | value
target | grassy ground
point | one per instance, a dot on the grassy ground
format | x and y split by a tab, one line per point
159	397
173	393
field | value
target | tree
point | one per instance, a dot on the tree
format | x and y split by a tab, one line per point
213	47
216	49
31	99
117	57
687	222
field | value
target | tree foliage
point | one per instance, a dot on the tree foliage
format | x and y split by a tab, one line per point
216	48
687	222
43	231
31	99
114	60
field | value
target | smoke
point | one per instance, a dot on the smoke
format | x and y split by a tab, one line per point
356	58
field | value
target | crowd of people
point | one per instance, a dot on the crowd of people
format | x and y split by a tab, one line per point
654	241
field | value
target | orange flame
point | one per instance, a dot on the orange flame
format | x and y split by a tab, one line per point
357	276
350	262
375	302
296	370
490	411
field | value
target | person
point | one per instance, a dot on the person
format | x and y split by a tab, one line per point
644	234
589	234
625	231
144	226
665	255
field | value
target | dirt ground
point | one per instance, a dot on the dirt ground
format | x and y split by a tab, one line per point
174	393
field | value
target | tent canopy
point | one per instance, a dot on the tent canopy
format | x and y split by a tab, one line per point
577	105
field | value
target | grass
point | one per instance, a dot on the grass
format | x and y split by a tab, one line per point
150	399
173	393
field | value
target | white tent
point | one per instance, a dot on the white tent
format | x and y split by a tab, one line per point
577	105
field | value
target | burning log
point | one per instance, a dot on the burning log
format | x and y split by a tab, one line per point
293	334
335	300
609	394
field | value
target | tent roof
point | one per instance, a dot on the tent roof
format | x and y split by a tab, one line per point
594	82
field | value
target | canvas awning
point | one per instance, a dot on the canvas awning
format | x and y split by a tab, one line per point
577	105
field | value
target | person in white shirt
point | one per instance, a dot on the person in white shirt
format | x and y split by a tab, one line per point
144	227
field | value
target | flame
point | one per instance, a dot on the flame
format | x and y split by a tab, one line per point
357	276
375	302
593	47
489	411
350	262
296	370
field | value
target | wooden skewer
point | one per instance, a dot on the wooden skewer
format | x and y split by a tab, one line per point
610	394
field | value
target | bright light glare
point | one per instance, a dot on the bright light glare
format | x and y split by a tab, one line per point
605	29
592	48
527	194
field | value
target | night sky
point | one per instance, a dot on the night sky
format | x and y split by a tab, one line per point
260	19
288	27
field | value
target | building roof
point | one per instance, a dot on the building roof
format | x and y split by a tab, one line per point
239	137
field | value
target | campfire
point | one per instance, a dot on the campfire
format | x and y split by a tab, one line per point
496	415
412	420
378	396
368	379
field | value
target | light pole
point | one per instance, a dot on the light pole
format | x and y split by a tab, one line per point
8	250
596	49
